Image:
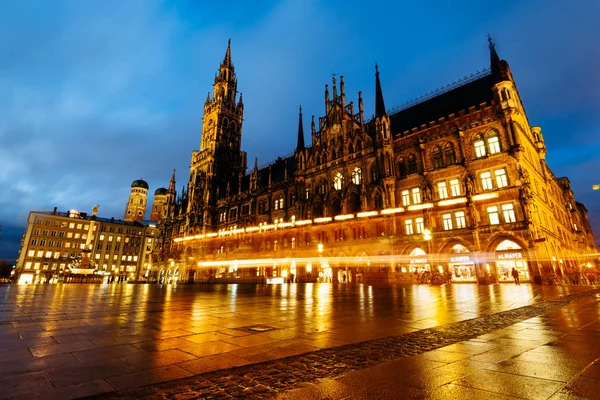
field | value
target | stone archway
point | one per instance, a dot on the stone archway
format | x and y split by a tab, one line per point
506	253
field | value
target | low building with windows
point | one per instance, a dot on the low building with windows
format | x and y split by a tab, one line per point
456	181
76	247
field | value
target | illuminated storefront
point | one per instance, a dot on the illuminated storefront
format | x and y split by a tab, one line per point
461	264
510	255
418	261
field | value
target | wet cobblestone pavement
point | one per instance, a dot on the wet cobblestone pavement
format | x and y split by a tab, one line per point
277	378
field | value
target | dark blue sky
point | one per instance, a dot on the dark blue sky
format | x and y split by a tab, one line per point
95	94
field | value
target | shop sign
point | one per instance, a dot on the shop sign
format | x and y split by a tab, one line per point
419	261
460	259
509	256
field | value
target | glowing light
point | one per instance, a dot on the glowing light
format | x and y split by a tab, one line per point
484	196
188	238
224	233
284	224
426	234
320	247
267	227
321	220
420	206
212	234
236	231
177	240
252	229
304	222
343	217
452	201
392	210
199	237
366	214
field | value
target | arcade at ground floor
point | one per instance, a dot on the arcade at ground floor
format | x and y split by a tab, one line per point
503	259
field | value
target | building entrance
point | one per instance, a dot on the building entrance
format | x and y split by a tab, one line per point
510	255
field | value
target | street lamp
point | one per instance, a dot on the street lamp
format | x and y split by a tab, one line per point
595	187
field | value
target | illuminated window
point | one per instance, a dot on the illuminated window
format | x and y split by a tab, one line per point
28	265
69	234
118	238
293	243
447	218
275	245
101	237
72	225
480	148
79	226
459	217
442	190
493	144
493	215
420	225
307	193
509	213
412	165
48	254
416	196
77	235
40	254
115	257
31	253
338	181
36	265
455	187
486	181
57	254
357	176
408	227
107	256
110	238
501	180
405	198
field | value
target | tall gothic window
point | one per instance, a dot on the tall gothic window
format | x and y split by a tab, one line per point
378	201
357	176
449	154
402	167
338	181
493	143
438	162
412	164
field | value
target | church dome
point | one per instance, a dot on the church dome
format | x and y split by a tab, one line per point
140	183
160	191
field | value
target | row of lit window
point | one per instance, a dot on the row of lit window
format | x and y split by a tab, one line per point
61	234
58	243
63	224
116	257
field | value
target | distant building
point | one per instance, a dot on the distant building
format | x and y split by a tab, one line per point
138	200
75	247
456	181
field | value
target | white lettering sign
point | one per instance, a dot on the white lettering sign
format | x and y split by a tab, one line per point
419	261
459	259
509	256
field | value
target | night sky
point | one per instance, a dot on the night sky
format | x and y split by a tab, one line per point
96	94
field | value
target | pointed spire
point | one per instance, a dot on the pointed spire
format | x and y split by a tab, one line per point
240	102
256	164
498	67
227	59
379	104
300	145
172	183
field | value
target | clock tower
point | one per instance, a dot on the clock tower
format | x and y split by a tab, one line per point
219	163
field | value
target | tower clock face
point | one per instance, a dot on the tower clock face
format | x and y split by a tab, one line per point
335	128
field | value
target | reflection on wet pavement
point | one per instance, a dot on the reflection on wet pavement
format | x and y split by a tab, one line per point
84	339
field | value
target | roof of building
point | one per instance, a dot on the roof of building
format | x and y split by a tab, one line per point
140	183
160	191
460	98
84	216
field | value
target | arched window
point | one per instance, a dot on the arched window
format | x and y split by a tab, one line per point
333	154
323	186
350	149
412	164
374	174
378	201
436	155
357	176
402	167
493	143
358	145
479	145
449	154
338	181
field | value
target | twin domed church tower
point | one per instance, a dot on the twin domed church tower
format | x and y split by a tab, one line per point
164	200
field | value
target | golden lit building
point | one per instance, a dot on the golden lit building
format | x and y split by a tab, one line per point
76	247
455	182
138	200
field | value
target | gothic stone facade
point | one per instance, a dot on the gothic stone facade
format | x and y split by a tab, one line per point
456	182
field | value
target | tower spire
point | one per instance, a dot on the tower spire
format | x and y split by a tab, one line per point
499	67
227	58
172	182
300	145
379	104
